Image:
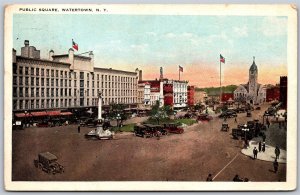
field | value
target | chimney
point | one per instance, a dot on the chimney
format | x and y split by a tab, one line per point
51	54
140	75
161	77
26	43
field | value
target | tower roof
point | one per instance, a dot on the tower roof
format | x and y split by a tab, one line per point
253	67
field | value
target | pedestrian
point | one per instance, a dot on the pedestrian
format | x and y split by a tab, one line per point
209	177
263	147
277	152
259	146
254	153
235	120
275	165
264	137
78	128
237	178
268	123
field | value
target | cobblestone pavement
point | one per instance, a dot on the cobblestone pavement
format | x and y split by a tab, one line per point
191	156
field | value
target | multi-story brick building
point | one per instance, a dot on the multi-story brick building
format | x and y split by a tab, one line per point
191	95
67	81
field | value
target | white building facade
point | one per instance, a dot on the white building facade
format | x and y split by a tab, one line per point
66	81
180	93
252	92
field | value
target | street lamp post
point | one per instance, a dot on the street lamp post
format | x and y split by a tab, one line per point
245	129
118	121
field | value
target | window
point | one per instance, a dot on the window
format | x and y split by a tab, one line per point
93	83
15	104
61	102
42	81
56	103
52	82
88	83
66	92
81	92
48	93
87	76
69	83
37	72
93	92
52	92
81	83
75	83
52	103
61	92
42	72
32	71
75	75
66	73
43	102
26	104
52	73
20	80
61	73
15	71
26	92
69	102
75	92
32	81
15	92
43	92
66	84
56	73
61	83
69	75
21	70
26	70
47	104
88	101
56	92
88	92
37	94
37	81
81	101
47	82
70	92
98	84
37	103
32	92
81	75
21	91
21	104
56	81
14	80
75	102
98	77
66	102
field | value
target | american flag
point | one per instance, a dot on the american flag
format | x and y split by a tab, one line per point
180	69
222	59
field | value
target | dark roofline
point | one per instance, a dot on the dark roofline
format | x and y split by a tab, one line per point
114	70
78	56
42	60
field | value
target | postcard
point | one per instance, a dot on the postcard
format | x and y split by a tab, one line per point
173	97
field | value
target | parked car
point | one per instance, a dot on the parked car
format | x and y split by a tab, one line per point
156	130
204	117
48	162
173	128
228	114
142	131
249	114
45	123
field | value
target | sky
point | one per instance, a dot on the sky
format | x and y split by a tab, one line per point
149	42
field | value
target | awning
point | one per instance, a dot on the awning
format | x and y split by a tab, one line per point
39	113
53	113
22	115
66	113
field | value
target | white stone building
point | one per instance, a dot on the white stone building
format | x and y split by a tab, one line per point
252	92
67	81
180	93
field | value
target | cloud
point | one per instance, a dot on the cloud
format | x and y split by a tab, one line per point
139	46
241	31
274	26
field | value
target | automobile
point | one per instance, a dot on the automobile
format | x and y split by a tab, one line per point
45	124
257	108
225	127
204	117
173	128
48	162
249	114
18	125
142	131
228	114
156	129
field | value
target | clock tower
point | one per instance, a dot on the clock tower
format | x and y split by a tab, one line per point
253	82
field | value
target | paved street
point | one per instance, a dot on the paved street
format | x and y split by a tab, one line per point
191	156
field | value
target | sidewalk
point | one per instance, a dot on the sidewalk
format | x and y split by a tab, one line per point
268	155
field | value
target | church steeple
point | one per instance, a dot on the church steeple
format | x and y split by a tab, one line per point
253	66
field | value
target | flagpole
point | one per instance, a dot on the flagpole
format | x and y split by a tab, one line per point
179	72
220	82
